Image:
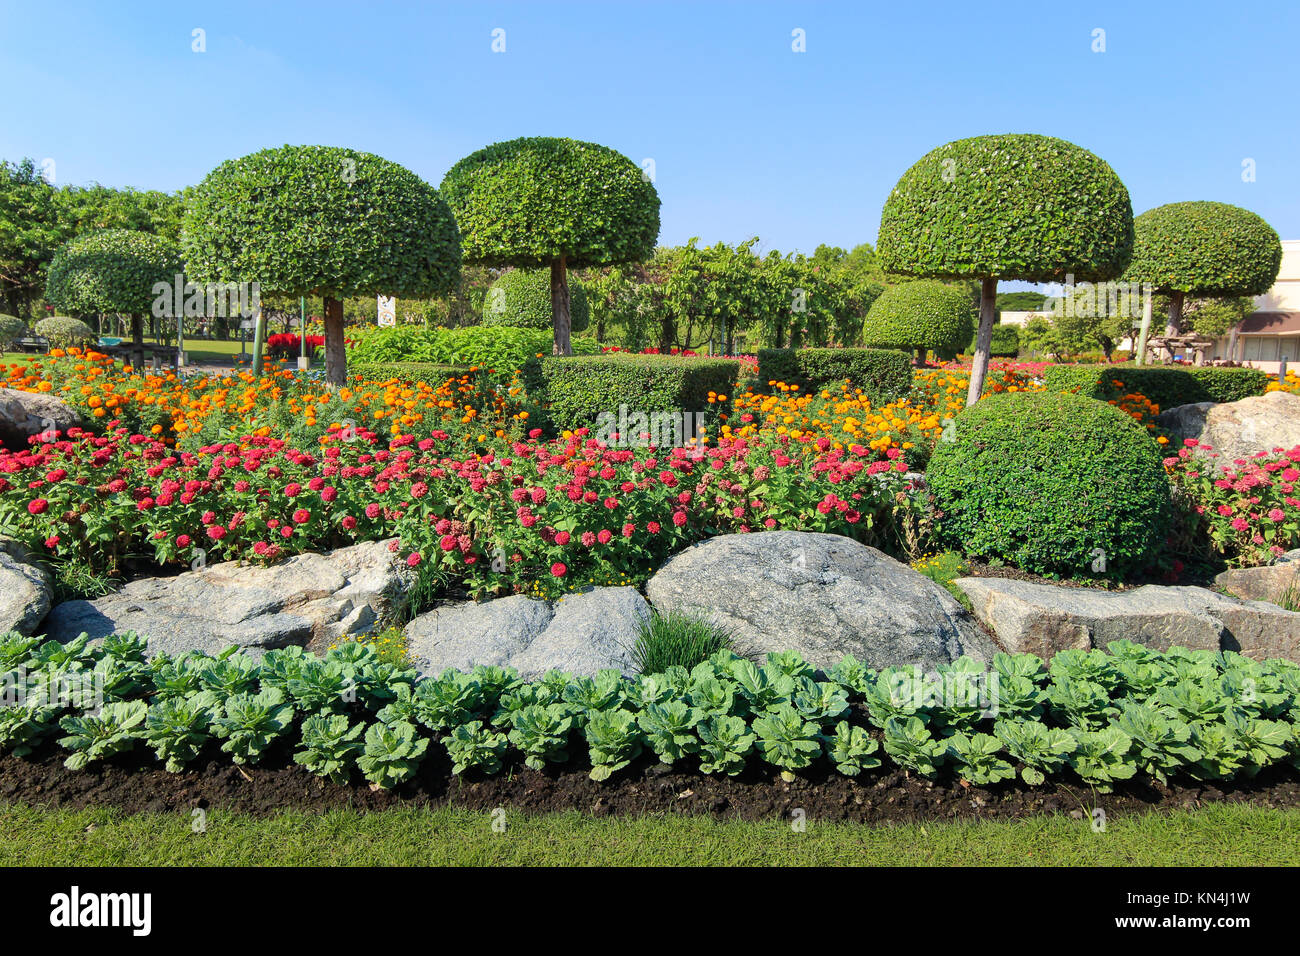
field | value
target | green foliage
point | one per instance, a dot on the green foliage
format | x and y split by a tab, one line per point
61	332
976	758
850	749
112	271
614	739
786	739
409	349
1005	342
669	728
12	328
910	744
676	638
23	728
321	220
96	736
250	723
530	201
330	743
1166	386
1041	749
1205	248
1020	301
394	751
1160	743
178	727
1101	757
921	315
725	742
1054	483
884	375
541	733
1012	206
582	392
522	298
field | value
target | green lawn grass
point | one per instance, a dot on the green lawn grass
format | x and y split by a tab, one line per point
1212	836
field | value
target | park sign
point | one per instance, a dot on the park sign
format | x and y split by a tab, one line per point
387	307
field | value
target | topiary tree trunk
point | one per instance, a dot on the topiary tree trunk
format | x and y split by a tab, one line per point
336	359
983	340
560	307
137	343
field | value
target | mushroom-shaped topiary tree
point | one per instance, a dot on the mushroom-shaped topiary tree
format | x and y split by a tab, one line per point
322	221
11	329
522	298
920	315
1013	206
1208	249
113	270
559	203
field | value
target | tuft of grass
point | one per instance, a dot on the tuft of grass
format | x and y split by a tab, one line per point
1290	599
77	581
676	638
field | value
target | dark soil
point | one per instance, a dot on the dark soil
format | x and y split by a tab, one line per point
135	783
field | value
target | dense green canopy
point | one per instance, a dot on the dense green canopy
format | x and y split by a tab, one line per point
1205	249
113	270
522	298
920	315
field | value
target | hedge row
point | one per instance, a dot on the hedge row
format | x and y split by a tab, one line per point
432	373
885	375
1167	387
591	391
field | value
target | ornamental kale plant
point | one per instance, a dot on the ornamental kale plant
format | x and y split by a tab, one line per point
177	728
251	723
725	742
473	745
977	760
910	744
787	740
670	729
392	753
1102	756
329	746
93	737
850	749
1161	745
614	739
542	733
1040	748
22	728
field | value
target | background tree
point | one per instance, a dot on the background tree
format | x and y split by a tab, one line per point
1020	301
1203	249
1014	206
522	298
919	316
322	221
114	270
557	203
1096	317
30	234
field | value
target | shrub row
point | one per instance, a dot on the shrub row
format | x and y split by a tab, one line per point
591	392
1167	387
431	373
1102	717
885	375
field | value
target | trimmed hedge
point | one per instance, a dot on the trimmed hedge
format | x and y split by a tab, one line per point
1166	386
62	331
920	315
522	298
1205	249
578	389
1050	481
112	270
885	375
431	373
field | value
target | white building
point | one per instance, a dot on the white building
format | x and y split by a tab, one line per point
1271	333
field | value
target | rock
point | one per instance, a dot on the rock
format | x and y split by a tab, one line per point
1239	429
580	633
309	599
822	595
23	414
1270	582
464	635
589	631
1041	619
26	589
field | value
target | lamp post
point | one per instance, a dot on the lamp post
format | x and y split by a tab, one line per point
303	362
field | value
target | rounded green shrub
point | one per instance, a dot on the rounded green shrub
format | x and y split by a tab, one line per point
112	270
11	329
532	201
1012	206
1004	344
1205	249
1054	483
61	331
920	315
321	220
522	298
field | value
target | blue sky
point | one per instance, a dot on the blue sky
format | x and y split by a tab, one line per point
747	136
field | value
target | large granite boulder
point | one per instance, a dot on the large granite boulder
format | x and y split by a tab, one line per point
24	414
822	595
1239	429
26	589
1041	619
581	633
1276	583
311	600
